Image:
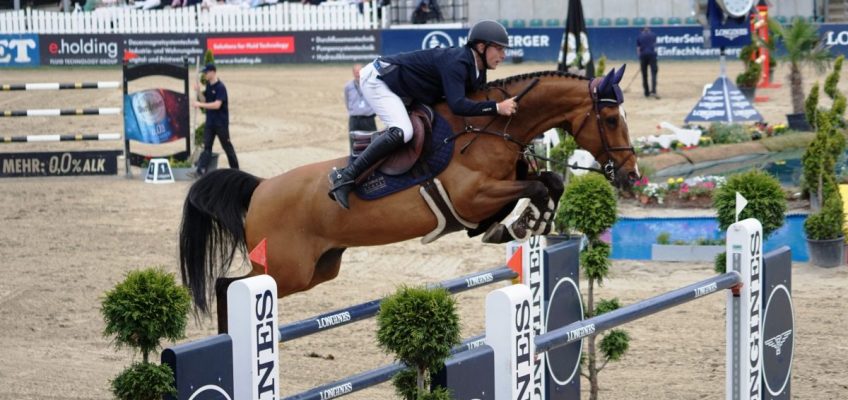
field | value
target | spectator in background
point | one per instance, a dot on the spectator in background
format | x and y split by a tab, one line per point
360	114
646	45
425	11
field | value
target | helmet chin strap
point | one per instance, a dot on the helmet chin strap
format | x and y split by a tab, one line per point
483	54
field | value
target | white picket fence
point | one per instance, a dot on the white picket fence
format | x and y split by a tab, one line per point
336	15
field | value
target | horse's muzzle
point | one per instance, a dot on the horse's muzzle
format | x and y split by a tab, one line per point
626	179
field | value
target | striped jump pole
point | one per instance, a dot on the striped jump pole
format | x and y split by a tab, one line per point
7	87
578	330
369	309
60	112
60	138
371	378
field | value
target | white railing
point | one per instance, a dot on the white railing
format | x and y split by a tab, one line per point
338	15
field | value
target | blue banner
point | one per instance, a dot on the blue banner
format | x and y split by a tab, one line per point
19	51
536	44
542	44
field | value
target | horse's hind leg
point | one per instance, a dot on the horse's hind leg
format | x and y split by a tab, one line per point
327	267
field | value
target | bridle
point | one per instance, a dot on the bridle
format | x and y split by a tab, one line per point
609	169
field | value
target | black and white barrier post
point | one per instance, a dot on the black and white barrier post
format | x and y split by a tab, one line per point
752	372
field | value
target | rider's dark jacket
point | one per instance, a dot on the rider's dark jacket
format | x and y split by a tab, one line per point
431	75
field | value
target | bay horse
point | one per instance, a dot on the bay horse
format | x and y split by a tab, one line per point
307	232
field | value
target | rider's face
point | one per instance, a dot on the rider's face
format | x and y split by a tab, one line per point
495	55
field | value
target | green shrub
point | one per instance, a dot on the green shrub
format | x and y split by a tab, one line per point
146	307
750	76
664	238
728	133
766	201
602	66
827	223
595	261
811	105
420	326
588	205
144	381
720	263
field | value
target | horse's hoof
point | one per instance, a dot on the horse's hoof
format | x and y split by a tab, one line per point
497	234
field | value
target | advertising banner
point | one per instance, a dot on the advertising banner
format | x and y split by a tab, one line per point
253	48
67	163
542	44
81	49
538	44
160	48
726	31
295	47
19	51
339	46
673	43
155	116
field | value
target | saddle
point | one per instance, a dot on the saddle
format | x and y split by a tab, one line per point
402	160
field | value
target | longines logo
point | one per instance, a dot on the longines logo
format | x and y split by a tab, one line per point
436	39
836	38
777	342
730	33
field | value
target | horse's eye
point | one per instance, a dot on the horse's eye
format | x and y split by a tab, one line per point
611	121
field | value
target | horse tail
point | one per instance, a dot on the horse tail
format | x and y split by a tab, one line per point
212	229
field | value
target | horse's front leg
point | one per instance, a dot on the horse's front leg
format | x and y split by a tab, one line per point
531	216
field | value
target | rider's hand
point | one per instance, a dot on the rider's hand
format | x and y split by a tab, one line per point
508	107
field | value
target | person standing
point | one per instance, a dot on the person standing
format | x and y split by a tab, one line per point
646	48
360	114
214	100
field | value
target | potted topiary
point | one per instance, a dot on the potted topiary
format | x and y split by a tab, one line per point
820	157
803	46
824	229
748	79
139	312
825	236
766	202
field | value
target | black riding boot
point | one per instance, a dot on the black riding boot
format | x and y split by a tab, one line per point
341	181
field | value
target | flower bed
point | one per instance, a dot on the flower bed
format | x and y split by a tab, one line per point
678	192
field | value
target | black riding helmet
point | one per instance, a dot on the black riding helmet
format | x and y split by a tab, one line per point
489	32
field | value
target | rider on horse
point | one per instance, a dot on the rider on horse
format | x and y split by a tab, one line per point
424	76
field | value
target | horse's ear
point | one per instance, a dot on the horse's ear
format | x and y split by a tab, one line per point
606	82
619	74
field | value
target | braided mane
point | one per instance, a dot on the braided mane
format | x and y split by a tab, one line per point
531	75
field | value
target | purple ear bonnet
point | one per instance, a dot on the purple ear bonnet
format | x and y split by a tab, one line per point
609	93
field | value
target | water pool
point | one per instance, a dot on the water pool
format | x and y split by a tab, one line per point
632	237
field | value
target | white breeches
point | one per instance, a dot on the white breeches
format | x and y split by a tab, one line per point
386	104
